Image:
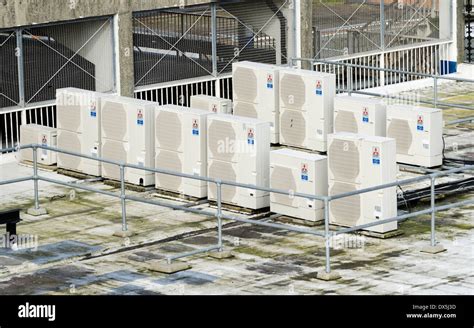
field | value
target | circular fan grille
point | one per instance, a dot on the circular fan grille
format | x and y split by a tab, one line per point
345	121
168	130
292	91
343	157
245	109
282	178
114	151
400	131
69	141
168	160
293	127
344	211
223	171
221	138
114	120
245	84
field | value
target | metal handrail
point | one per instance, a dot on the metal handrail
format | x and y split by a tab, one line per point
219	246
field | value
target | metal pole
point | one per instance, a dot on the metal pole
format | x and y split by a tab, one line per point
435	95
350	80
35	176
433	211
326	230
214	38
382	25
123	198
219	215
21	71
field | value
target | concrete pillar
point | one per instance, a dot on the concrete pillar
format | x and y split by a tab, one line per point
306	31
448	30
123	25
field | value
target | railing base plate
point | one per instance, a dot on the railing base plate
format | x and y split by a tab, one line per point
123	234
433	249
168	268
37	211
328	276
221	255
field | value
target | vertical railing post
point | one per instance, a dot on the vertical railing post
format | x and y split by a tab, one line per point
122	197
219	215
382	25
349	76
35	176
327	235
435	91
433	212
21	70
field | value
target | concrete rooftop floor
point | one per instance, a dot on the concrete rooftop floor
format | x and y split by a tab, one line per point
77	253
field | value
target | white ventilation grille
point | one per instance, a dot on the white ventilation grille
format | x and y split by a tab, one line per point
345	121
292	91
400	131
344	211
169	160
221	137
225	172
245	109
343	157
69	141
68	113
293	127
168	130
113	150
114	120
245	84
283	178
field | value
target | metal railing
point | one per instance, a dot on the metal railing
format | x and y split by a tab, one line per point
327	234
351	69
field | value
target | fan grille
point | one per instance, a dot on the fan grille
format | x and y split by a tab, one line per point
344	211
245	84
114	120
293	127
168	160
292	91
68	112
400	131
345	121
70	141
282	178
343	159
245	109
113	150
168	130
225	172
221	140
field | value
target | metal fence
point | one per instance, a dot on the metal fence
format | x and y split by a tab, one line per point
37	60
469	21
354	26
204	40
326	234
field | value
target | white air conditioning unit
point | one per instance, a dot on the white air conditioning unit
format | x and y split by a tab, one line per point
239	151
39	135
79	129
212	104
300	172
128	136
356	162
181	146
306	108
360	115
255	93
419	134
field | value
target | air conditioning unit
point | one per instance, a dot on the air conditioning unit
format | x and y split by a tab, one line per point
356	162
39	135
360	115
79	130
181	146
419	134
128	136
306	108
255	93
301	172
212	104
239	151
